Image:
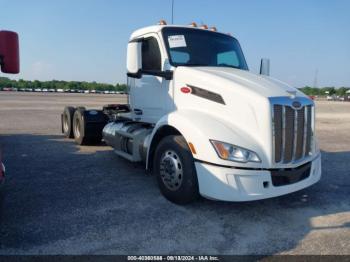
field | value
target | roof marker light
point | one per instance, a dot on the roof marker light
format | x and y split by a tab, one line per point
193	24
204	26
213	29
162	22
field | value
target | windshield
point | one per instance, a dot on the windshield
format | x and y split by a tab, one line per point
194	47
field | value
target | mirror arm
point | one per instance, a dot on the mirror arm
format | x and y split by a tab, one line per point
168	75
137	75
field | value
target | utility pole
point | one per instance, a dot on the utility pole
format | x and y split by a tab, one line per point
316	79
172	11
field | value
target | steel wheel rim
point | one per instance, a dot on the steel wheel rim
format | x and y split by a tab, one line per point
65	123
171	170
77	128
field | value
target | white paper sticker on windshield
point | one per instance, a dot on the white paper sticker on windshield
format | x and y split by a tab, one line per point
176	41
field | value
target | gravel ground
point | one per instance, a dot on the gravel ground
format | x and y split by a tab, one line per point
60	198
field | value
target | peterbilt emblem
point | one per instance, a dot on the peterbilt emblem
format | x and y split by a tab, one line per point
296	105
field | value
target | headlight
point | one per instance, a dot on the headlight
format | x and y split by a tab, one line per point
234	153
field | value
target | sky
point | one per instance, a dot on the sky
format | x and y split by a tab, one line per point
85	40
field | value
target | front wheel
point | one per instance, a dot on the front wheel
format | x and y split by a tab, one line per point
175	171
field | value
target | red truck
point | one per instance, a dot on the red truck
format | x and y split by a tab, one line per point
9	64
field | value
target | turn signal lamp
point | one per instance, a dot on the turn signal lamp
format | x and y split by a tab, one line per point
221	149
191	146
162	22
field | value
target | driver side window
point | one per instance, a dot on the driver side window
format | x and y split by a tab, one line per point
151	57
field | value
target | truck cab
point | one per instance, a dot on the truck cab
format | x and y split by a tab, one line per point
204	124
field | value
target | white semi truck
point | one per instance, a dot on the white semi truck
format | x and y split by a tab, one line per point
202	122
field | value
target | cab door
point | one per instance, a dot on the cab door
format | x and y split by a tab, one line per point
149	95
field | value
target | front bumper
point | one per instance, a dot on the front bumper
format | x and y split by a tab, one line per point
231	184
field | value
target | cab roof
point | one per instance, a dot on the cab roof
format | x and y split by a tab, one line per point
157	28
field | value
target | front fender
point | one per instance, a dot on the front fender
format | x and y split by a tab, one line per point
198	128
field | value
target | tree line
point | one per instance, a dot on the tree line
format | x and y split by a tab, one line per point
77	85
56	84
324	91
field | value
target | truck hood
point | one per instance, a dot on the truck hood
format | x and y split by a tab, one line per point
246	110
240	79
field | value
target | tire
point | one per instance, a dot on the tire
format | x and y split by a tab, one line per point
87	127
79	127
67	121
174	169
82	108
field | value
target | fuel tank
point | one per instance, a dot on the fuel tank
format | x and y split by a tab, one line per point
129	139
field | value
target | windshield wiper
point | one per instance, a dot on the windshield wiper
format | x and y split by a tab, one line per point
193	64
198	64
227	65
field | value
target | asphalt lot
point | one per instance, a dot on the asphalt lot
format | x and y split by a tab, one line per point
60	198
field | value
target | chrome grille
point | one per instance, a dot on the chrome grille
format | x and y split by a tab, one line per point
292	132
299	150
289	133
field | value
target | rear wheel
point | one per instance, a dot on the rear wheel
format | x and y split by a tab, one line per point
67	121
175	171
79	127
87	126
81	108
